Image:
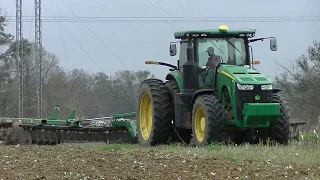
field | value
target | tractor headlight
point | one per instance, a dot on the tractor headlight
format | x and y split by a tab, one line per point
266	87
245	87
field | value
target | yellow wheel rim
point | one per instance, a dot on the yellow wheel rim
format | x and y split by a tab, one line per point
145	116
199	124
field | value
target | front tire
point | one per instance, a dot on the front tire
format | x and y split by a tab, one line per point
153	124
279	130
207	120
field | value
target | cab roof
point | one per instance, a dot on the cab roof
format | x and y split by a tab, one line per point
222	31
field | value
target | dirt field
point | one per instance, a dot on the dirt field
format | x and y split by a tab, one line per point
101	161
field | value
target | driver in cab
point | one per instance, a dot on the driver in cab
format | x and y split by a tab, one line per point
212	62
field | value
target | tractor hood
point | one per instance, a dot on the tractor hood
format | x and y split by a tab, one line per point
243	75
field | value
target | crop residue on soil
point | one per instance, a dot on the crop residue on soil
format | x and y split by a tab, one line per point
77	162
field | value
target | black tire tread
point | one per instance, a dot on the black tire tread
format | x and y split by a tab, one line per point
161	101
178	134
280	131
173	87
214	119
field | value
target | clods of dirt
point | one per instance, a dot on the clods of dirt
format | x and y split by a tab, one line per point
55	162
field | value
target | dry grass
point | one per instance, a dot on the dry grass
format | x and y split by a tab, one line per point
303	153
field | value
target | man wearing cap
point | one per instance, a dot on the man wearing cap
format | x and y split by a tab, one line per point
212	62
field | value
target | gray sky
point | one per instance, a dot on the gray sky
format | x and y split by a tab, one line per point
135	43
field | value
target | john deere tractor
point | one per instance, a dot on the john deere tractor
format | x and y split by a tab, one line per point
218	102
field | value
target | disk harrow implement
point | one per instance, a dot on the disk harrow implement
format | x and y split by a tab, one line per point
119	128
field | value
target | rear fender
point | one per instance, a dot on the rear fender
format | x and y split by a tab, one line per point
177	76
199	93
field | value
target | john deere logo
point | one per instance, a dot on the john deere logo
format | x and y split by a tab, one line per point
257	97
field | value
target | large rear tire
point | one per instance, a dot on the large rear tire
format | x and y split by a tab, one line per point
153	121
178	134
207	120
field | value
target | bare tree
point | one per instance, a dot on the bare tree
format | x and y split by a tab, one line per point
301	84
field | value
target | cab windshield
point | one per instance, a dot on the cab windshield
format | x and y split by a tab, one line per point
228	50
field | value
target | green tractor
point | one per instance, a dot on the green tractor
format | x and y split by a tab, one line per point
226	100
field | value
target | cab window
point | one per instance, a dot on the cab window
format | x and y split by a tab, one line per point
231	50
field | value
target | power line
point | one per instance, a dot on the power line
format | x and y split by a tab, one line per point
168	20
72	99
76	42
100	42
168	13
165	19
96	37
176	17
84	49
160	14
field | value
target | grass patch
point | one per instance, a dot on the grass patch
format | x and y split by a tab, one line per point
294	153
300	153
214	147
114	147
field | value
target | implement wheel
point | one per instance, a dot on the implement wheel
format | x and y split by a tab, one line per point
154	106
207	120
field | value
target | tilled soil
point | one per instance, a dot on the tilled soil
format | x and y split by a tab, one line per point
76	162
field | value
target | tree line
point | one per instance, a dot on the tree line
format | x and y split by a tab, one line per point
99	94
91	95
300	83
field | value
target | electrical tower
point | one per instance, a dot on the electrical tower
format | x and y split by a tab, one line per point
19	55
38	53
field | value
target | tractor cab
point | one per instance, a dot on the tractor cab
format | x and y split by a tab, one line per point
212	52
214	47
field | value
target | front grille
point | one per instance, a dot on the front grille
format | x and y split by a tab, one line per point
249	97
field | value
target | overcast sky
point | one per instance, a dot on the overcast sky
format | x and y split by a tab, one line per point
135	43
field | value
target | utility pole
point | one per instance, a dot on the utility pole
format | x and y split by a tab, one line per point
19	55
38	53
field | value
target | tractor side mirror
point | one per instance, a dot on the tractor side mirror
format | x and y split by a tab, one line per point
173	49
273	44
